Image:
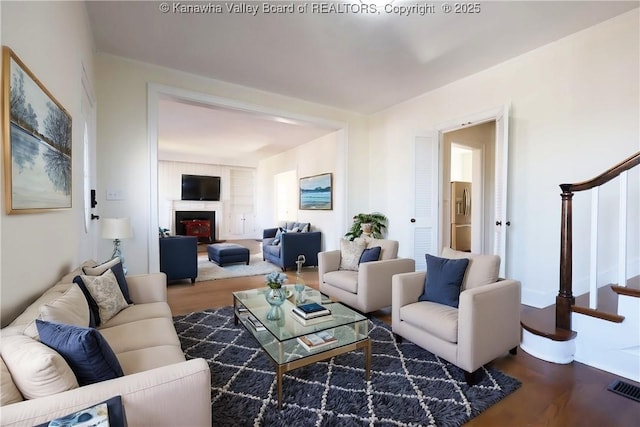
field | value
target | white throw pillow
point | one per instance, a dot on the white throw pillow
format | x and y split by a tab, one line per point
9	393
350	252
37	370
106	293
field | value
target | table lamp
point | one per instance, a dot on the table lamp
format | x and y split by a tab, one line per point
116	229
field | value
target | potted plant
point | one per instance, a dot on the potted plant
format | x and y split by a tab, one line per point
372	224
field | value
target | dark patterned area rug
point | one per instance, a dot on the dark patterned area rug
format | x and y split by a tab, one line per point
409	386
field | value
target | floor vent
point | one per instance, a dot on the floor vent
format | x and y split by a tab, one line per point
625	389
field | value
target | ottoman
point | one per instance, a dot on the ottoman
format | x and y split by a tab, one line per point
227	253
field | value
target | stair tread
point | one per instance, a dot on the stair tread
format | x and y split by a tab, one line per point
607	302
607	307
542	322
632	288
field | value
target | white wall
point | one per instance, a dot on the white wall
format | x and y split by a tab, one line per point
123	146
575	113
54	41
323	155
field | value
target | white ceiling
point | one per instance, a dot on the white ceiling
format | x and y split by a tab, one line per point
190	132
360	62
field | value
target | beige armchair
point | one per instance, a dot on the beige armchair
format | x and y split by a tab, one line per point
485	325
369	288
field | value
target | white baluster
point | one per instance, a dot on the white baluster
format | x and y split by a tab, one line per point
593	260
622	231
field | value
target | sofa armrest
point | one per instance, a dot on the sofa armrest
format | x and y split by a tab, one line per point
147	288
488	323
269	233
406	288
374	281
327	261
173	395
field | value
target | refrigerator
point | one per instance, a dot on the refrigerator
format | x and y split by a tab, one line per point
461	216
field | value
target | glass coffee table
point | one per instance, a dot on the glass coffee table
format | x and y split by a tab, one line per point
279	338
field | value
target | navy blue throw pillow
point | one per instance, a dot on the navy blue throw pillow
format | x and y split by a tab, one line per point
443	280
85	350
371	254
94	310
118	271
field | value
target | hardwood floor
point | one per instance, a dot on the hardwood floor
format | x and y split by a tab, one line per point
550	395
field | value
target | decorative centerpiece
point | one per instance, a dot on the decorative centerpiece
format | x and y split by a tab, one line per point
275	296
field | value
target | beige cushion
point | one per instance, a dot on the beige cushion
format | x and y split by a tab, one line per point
37	370
71	308
32	312
9	393
482	269
350	252
149	358
137	312
141	334
99	269
389	248
347	280
437	319
105	291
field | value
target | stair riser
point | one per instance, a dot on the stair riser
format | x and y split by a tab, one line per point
612	347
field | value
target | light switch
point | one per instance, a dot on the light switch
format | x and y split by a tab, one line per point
115	194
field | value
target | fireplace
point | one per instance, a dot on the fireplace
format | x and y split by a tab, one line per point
200	221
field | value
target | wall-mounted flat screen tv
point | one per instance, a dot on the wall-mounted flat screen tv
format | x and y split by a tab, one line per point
200	187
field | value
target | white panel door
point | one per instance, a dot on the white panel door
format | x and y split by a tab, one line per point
426	218
501	223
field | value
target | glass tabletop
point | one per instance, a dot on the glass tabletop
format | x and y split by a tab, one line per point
287	327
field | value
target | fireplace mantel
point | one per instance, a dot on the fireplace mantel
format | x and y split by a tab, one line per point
196	205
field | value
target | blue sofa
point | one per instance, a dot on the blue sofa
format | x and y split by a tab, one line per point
291	244
179	257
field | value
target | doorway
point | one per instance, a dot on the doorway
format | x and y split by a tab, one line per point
468	157
432	177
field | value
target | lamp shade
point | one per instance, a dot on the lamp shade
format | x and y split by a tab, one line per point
116	228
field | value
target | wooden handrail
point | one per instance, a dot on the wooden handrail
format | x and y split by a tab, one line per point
605	177
565	299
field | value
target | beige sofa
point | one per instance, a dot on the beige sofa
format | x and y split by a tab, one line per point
368	288
159	387
485	325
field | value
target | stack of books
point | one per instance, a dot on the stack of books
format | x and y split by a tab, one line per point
255	323
311	314
317	340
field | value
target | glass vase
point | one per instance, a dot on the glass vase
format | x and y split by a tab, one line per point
275	297
299	287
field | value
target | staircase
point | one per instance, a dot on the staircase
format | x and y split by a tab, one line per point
600	328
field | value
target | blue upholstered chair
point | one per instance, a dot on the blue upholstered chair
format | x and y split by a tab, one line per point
282	248
179	257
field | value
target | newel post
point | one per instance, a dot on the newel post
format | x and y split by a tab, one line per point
565	298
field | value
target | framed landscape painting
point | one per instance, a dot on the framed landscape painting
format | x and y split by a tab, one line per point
316	192
36	131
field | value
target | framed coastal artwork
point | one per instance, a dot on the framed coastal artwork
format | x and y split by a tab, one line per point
36	131
316	192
